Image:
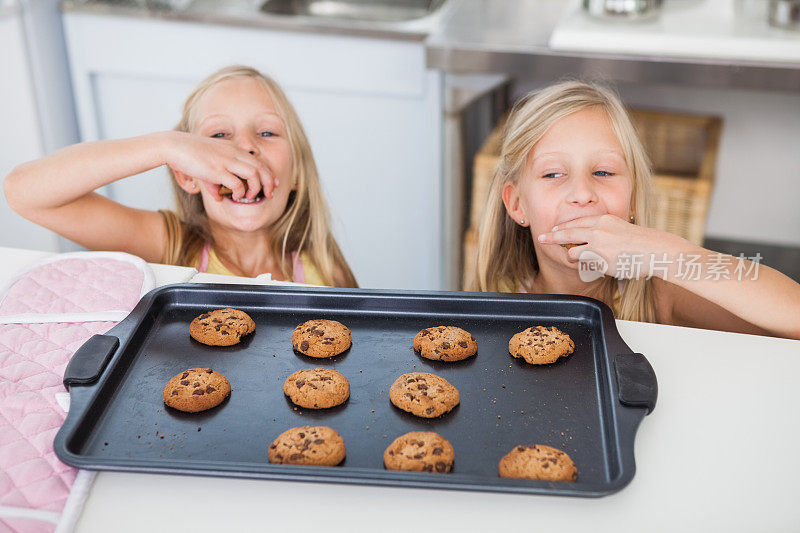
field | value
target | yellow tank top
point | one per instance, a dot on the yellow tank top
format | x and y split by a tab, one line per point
304	269
206	260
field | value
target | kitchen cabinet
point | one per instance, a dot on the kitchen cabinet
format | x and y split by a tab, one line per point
371	109
20	137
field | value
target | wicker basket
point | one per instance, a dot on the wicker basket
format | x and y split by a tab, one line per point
683	151
482	173
470	256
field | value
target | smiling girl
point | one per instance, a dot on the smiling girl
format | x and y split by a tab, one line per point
572	185
248	195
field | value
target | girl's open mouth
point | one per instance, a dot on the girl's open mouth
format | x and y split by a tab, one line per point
257	199
227	193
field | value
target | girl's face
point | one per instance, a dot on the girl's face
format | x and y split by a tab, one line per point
241	110
576	169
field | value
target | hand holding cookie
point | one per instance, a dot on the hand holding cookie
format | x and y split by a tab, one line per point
611	237
199	161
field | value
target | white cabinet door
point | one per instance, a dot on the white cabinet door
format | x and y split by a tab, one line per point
127	105
371	110
20	138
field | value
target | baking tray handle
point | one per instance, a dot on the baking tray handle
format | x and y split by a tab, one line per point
90	360
636	381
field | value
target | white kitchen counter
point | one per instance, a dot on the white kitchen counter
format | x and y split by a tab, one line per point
718	453
704	30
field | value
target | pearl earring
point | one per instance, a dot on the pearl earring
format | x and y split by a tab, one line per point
632	219
522	221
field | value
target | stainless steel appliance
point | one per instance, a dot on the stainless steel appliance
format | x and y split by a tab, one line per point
623	9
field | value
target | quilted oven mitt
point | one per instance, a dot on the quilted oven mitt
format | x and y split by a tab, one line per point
47	312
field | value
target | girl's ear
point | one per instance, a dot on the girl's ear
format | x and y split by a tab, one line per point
186	183
511	201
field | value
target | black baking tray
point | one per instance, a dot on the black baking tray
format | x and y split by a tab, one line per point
589	404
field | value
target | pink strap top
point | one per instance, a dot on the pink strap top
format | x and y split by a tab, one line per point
299	275
202	262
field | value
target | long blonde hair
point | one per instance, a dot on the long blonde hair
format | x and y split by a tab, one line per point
506	255
304	224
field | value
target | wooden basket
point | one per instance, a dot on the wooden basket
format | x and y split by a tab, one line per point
683	151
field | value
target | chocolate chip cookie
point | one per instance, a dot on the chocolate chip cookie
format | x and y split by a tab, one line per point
423	394
420	451
196	389
538	462
541	345
317	388
306	445
445	343
321	338
222	327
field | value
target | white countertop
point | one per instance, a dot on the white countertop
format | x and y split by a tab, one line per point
718	453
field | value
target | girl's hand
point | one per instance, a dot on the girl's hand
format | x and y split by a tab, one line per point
767	303
217	162
630	251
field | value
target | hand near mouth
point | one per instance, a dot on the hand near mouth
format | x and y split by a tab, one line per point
211	163
613	239
225	191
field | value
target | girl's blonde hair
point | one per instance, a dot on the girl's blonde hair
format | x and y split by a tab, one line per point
304	224
506	255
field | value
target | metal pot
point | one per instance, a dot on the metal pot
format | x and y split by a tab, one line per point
623	9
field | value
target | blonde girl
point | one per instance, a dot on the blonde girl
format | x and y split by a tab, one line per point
572	187
247	191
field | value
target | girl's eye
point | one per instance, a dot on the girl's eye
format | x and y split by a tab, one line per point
553	175
219	135
602	173
266	134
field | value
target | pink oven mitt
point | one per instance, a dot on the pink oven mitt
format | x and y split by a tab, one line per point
46	313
